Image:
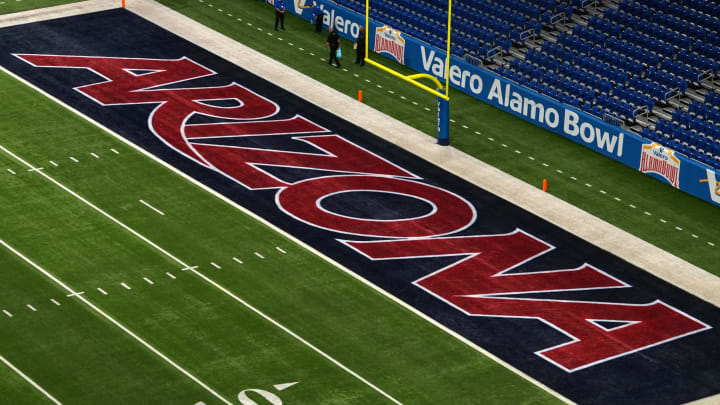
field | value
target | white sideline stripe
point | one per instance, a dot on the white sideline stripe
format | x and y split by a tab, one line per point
32	308
26	378
292	238
151	207
217	266
280	250
147	280
113	321
259	255
127	287
237	260
170	275
197	273
103	292
6	312
54	302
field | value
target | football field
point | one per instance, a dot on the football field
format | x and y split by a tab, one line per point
257	249
108	301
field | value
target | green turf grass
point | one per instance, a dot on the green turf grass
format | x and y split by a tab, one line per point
14	6
210	334
658	209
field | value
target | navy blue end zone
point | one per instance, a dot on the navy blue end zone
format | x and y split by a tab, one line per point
419	261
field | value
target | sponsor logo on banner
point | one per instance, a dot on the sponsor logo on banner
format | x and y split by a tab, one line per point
662	161
713	186
390	41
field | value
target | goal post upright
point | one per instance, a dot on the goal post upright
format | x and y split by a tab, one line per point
443	98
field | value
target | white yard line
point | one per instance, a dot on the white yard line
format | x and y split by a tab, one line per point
112	320
197	273
151	207
30	381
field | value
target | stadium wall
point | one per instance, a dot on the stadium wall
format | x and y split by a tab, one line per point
626	147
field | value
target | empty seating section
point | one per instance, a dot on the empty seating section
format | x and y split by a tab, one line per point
621	64
625	61
481	28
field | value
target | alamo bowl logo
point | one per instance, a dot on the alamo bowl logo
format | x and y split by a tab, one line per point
662	161
390	41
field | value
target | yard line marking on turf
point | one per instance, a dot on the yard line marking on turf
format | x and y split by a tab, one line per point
280	250
518	152
391	92
711	244
6	312
11	171
186	268
113	321
452	120
73	159
531	158
170	275
75	294
32	308
504	146
647	213
603	192
632	206
197	273
588	185
54	302
127	287
53	163
103	292
617	199
573	178
215	265
237	260
403	97
427	109
147	280
559	171
259	255
545	164
663	221
491	139
678	228
465	127
114	151
35	169
33	383
694	236
151	207
95	155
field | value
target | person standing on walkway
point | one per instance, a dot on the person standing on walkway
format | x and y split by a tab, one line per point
333	41
279	14
360	48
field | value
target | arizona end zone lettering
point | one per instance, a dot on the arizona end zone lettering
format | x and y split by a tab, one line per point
477	283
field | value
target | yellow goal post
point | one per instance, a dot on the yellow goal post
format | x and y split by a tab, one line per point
414	78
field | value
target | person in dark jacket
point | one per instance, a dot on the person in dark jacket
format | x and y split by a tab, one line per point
317	15
333	41
360	48
279	14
